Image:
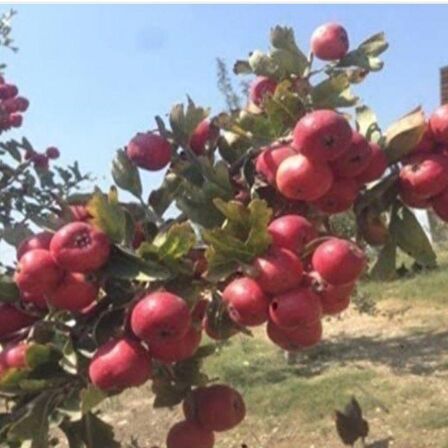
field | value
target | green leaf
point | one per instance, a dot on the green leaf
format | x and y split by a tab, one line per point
168	394
367	123
162	198
38	354
90	398
411	238
14	234
8	290
262	64
184	122
375	45
126	174
404	134
385	265
109	325
107	214
175	243
333	92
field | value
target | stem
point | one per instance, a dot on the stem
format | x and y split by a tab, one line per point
88	431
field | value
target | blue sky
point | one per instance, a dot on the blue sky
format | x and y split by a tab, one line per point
97	74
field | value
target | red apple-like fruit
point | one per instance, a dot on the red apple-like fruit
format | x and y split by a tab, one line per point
80	247
440	205
204	133
37	272
160	316
260	88
217	408
329	42
12	319
355	160
427	143
438	123
73	293
305	179
246	301
40	240
322	135
14	355
338	261
270	159
38	300
149	151
297	338
298	307
278	270
339	198
189	434
376	167
425	175
118	364
52	153
412	200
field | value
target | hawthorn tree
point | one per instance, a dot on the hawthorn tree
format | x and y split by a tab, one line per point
112	294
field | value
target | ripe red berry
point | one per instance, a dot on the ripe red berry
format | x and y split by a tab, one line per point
338	261
427	143
80	247
330	42
410	199
260	88
217	408
339	198
8	91
301	178
118	364
149	151
10	106
169	351
376	167
292	232
37	272
425	175
22	103
246	302
12	319
297	338
355	160
15	120
203	134
40	161
52	152
440	205
189	435
322	135
278	270
269	160
40	240
160	316
14	355
73	293
438	123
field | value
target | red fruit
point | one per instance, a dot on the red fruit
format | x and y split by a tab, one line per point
299	307
339	198
260	88
246	302
52	152
14	355
40	240
22	103
427	142
425	175
160	316
12	320
301	178
335	306
10	106
189	435
217	408
329	42
412	200
376	167
270	159
15	120
80	247
118	364
149	151
292	232
322	135
440	205
355	160
37	273
278	270
74	292
338	261
40	161
80	213
438	123
297	338
38	300
204	133
168	351
8	91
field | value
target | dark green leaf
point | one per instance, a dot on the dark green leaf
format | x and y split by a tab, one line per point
38	354
385	265
8	290
125	174
90	398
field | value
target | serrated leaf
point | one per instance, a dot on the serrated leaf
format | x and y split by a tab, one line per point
162	198
385	265
91	397
126	174
333	92
242	68
404	134
375	45
168	394
107	214
262	64
367	123
411	238
176	242
8	290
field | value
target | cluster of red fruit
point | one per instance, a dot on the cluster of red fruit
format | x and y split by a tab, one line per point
11	106
291	295
423	178
42	160
326	164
